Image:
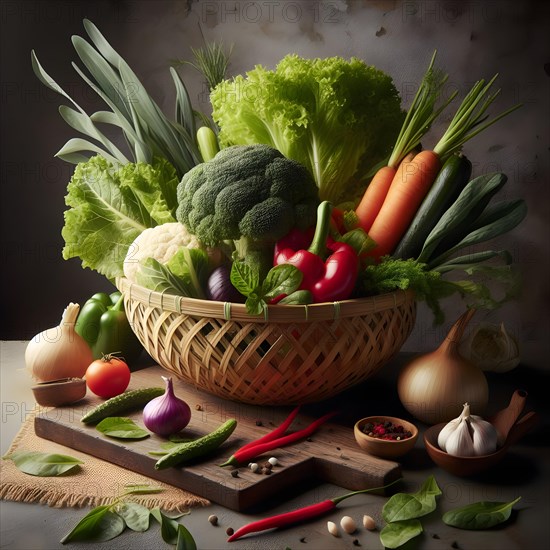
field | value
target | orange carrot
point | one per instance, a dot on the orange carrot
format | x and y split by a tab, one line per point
410	184
373	198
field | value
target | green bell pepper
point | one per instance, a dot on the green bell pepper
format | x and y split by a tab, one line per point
102	322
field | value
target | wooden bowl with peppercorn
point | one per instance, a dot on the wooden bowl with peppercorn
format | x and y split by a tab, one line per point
385	436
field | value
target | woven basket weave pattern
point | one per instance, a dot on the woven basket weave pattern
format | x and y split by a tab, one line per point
295	355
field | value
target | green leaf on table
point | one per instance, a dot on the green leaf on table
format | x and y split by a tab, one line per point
99	525
168	526
135	516
40	464
404	506
479	515
121	428
185	539
397	533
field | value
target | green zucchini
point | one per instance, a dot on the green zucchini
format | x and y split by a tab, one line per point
198	447
450	181
126	401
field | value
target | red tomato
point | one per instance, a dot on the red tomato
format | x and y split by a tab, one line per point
108	376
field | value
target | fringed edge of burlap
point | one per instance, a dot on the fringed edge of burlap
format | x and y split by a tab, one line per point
58	499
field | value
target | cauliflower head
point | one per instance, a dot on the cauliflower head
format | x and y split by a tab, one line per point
161	243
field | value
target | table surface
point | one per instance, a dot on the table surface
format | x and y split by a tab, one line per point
525	472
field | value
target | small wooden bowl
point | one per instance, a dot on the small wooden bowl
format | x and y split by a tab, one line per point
464	466
385	448
56	393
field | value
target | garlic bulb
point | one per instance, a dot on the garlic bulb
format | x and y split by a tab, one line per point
59	352
468	435
491	348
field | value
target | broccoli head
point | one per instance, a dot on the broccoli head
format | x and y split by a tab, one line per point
249	194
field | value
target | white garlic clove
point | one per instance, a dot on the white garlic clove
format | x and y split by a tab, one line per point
369	523
484	437
348	524
459	442
447	430
332	528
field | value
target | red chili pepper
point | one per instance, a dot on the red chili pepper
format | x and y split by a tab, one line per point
276	433
248	452
328	280
298	516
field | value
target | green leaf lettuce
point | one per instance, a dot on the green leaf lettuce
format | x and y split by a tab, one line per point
337	117
110	205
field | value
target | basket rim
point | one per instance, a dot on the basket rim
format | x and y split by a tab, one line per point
326	311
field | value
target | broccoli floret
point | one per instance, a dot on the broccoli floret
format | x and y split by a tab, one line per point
251	195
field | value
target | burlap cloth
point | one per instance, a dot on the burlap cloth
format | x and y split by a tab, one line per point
95	482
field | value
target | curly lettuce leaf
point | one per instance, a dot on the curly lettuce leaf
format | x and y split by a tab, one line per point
331	115
110	205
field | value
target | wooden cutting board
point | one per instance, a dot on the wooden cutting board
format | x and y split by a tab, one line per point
331	454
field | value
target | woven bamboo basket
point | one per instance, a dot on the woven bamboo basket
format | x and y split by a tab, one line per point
293	354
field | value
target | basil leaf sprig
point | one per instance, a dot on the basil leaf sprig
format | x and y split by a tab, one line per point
40	464
284	279
108	521
479	515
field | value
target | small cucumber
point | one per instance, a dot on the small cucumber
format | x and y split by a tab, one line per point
198	447
450	181
125	401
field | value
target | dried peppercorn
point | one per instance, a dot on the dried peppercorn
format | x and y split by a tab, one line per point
386	430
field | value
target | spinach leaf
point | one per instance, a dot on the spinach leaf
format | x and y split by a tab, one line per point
134	515
404	506
185	539
479	515
99	525
40	464
121	428
168	526
399	532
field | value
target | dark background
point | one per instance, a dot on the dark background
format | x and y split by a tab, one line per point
474	39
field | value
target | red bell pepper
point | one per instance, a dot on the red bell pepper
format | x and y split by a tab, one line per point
329	278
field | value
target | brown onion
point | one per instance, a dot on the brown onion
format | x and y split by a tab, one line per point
433	387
